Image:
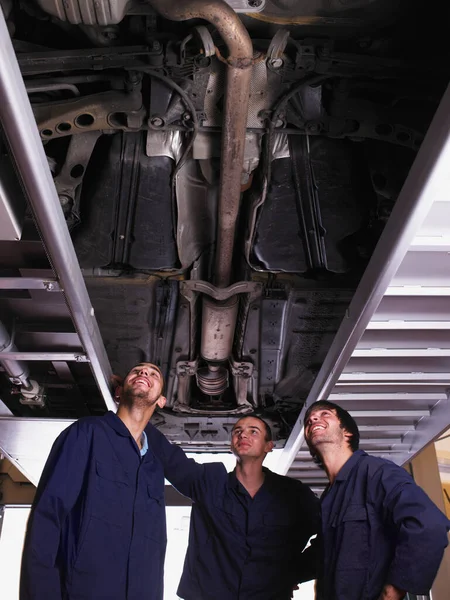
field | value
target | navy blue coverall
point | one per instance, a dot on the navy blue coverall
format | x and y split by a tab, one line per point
97	529
242	548
379	528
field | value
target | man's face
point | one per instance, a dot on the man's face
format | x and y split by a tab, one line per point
324	427
143	385
248	439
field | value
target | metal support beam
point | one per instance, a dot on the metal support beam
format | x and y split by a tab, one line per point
397	325
386	428
426	183
393	352
51	356
304	455
23	138
395	378
29	283
379	442
417	290
391	396
26	442
380	414
427	431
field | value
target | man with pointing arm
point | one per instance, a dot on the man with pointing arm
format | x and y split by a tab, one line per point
97	526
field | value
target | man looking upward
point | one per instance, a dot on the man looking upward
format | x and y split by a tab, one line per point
97	526
382	535
249	527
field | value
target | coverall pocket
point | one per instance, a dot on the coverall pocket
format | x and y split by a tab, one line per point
353	537
112	488
278	529
111	472
353	553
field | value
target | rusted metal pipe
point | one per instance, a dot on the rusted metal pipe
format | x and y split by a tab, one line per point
233	143
239	62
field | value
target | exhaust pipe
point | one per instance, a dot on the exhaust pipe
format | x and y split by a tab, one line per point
239	61
219	318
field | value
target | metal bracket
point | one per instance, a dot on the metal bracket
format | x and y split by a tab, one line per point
38	400
242	372
187	368
88	114
70	179
246	6
52	286
189	288
32	396
276	48
241	369
206	39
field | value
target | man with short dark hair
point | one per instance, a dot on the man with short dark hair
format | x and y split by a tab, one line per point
97	526
249	527
381	534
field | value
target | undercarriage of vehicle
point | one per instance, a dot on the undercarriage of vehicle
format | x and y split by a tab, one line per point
225	170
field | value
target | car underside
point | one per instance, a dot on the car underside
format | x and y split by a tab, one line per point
225	170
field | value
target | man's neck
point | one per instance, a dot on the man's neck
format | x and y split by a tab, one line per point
250	474
334	458
135	420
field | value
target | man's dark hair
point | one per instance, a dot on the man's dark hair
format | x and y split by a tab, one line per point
345	419
268	436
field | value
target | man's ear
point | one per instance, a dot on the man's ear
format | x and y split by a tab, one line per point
116	380
161	402
269	446
118	387
118	393
348	436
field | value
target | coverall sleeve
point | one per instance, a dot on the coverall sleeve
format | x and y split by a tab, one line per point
190	478
419	527
59	487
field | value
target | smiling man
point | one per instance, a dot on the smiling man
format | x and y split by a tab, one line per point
97	527
382	535
249	527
